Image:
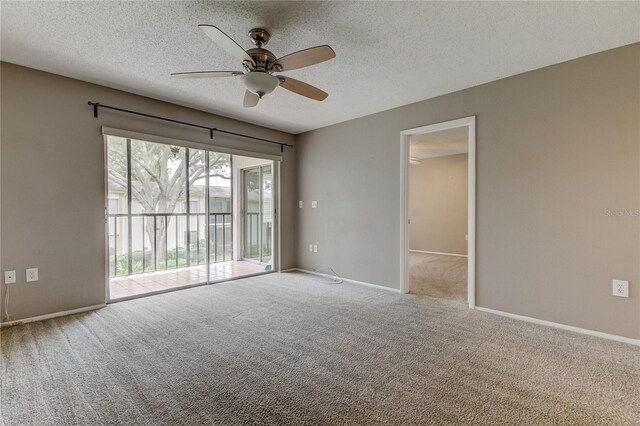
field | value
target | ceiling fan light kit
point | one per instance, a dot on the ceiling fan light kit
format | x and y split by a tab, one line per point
261	83
259	65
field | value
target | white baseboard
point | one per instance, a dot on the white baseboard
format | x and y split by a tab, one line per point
53	315
379	287
586	331
289	270
438	252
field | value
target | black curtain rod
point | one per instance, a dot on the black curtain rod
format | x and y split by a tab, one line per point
97	105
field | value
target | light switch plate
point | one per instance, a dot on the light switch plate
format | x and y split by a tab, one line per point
315	248
32	275
9	277
314	204
621	288
300	204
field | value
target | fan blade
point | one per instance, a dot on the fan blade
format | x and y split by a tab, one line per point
206	74
250	99
305	58
302	88
226	42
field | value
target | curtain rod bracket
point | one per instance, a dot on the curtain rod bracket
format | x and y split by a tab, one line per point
95	108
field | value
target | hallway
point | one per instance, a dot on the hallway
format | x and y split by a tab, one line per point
438	276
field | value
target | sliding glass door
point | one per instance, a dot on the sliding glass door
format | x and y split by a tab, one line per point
170	217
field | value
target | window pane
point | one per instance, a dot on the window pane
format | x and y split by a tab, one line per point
219	199
114	206
267	213
197	193
117	177
158	177
252	188
197	180
158	186
117	174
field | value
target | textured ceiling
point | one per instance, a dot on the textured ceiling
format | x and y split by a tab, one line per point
388	53
439	144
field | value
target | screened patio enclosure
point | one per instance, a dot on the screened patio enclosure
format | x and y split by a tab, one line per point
176	217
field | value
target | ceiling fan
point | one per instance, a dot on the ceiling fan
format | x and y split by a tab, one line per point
260	65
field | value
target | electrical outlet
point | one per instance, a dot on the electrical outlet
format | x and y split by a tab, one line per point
314	204
620	288
32	275
300	204
9	277
310	247
315	248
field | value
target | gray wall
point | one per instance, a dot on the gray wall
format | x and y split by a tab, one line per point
438	204
52	182
558	168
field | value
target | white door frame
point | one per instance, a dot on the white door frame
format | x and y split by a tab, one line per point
470	123
276	250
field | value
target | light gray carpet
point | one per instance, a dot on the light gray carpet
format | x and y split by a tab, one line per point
290	349
438	275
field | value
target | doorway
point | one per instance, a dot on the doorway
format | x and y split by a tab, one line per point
438	218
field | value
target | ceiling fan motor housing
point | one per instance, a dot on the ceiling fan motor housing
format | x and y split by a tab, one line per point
262	58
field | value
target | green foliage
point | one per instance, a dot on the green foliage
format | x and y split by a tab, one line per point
252	250
138	265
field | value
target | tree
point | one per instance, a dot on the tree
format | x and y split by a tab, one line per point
158	177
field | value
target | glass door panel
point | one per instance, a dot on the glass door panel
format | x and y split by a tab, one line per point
170	216
195	209
118	206
252	210
257	213
158	192
220	214
266	222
